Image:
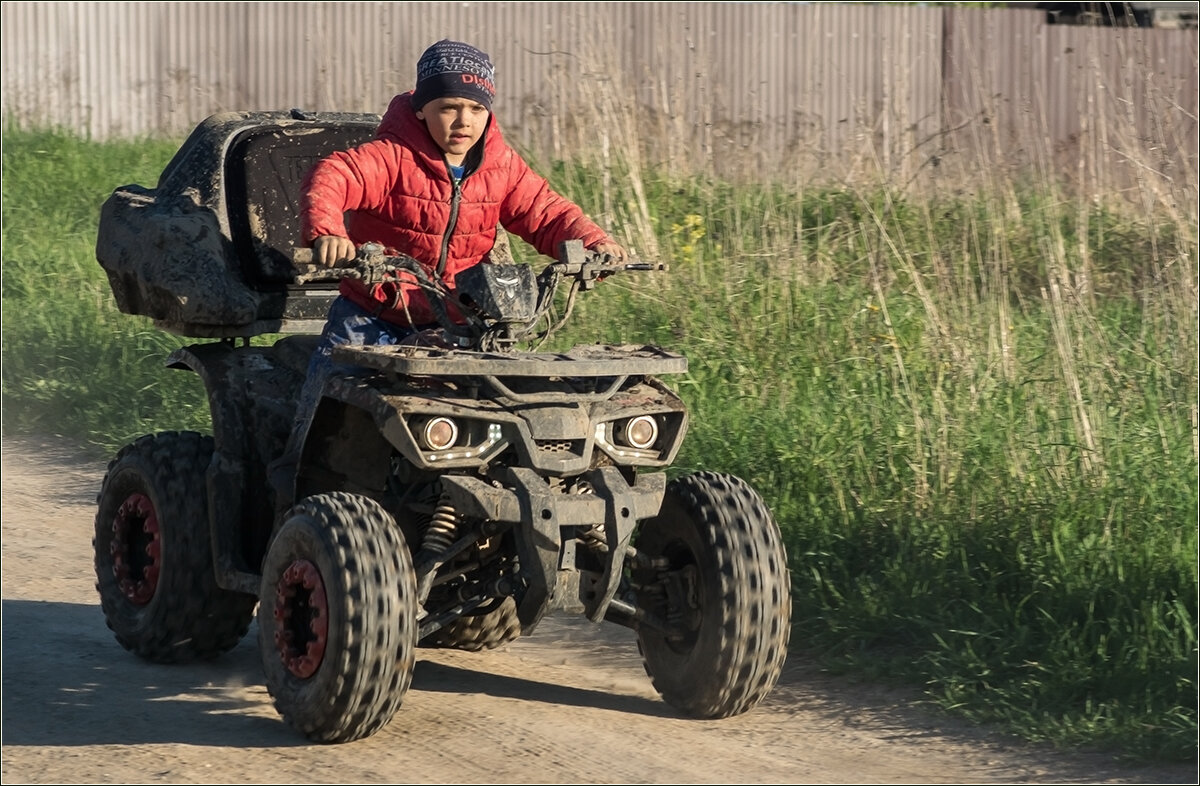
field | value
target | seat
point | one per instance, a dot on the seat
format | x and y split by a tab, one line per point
265	167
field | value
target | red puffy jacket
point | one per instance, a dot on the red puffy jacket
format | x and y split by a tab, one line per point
401	195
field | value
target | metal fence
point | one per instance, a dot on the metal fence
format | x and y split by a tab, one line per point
719	85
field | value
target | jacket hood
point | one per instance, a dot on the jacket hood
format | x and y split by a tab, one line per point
401	125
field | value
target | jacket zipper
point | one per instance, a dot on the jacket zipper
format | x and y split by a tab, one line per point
455	199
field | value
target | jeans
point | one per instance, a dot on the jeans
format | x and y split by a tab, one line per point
345	324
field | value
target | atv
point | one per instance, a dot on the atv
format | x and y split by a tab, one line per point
450	492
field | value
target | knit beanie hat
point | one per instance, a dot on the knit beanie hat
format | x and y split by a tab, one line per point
452	69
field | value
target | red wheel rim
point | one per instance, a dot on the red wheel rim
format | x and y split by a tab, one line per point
302	618
136	549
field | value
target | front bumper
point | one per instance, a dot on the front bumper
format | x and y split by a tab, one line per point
548	576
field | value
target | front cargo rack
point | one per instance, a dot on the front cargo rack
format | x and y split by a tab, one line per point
591	360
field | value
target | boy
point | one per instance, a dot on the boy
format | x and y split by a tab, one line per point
433	184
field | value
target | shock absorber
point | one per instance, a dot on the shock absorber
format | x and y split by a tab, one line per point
442	529
440	534
593	537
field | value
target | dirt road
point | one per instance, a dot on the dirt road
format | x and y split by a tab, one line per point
569	704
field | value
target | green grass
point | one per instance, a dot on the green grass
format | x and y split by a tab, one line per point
973	414
72	364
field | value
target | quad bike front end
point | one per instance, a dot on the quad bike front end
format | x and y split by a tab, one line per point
532	482
519	474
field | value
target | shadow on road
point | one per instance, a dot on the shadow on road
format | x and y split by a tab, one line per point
443	678
66	681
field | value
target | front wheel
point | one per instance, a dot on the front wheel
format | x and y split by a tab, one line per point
721	586
337	619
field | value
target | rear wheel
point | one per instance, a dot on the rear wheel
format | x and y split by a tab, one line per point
153	553
723	590
482	630
338	618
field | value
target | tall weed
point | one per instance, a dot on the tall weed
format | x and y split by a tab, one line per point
975	419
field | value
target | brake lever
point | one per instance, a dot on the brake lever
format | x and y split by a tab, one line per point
603	269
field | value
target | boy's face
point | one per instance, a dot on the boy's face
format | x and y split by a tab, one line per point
455	124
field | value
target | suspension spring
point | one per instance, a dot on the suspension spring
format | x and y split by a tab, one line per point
442	529
594	537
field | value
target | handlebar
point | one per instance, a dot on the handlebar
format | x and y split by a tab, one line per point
588	267
581	267
372	265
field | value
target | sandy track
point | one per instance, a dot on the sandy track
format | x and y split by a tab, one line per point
569	704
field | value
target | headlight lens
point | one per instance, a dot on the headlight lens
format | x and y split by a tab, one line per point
439	433
640	432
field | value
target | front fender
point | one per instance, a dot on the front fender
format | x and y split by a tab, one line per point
251	400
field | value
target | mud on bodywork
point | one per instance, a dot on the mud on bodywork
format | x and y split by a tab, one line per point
206	252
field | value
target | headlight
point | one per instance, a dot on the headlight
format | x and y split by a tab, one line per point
439	433
640	432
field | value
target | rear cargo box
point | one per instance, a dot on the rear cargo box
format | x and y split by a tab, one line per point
207	252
